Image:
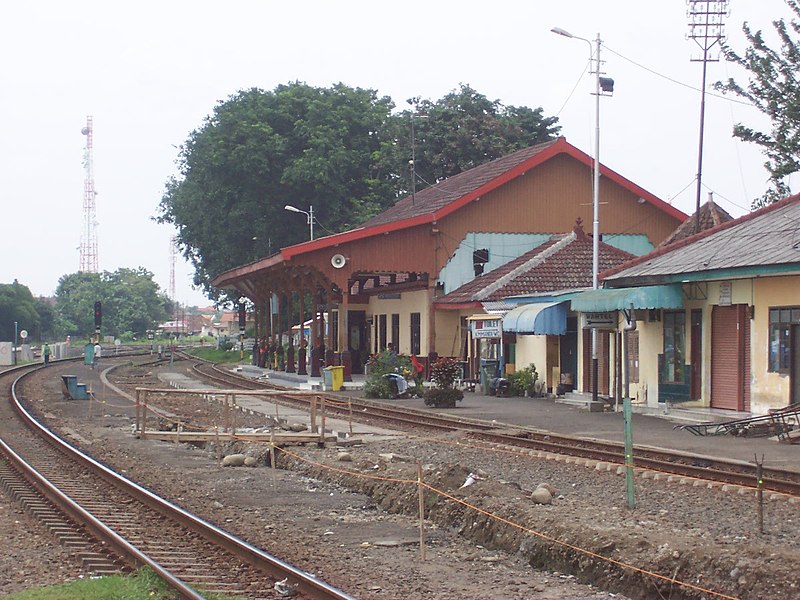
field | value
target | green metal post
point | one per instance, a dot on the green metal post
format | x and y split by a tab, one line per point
627	411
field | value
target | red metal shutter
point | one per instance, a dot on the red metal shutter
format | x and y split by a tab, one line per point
730	358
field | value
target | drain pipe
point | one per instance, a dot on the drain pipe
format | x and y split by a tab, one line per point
627	411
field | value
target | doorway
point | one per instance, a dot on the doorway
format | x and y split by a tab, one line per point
696	349
357	339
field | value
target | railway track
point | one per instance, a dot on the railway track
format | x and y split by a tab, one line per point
116	525
670	462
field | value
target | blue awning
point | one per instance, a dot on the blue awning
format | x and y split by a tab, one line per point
546	318
651	296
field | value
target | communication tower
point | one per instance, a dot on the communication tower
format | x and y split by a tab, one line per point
88	246
173	254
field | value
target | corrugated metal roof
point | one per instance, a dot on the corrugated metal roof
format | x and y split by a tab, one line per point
647	296
766	238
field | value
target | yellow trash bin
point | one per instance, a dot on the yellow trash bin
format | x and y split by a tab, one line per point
337	378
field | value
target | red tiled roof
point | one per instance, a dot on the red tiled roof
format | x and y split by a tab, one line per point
563	262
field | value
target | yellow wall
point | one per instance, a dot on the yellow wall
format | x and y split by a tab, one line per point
769	390
448	332
409	302
532	349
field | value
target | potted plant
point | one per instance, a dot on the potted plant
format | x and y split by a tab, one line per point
444	394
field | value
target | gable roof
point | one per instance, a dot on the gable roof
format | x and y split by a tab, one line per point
448	196
710	215
764	241
563	262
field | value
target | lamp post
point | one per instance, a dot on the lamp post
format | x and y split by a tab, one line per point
309	216
602	84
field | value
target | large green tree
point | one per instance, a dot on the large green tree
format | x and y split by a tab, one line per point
774	89
131	303
461	130
260	151
338	149
17	305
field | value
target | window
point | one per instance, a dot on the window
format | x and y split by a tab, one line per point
780	336
396	332
382	332
674	346
415	334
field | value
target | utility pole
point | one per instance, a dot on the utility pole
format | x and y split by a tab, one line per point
707	29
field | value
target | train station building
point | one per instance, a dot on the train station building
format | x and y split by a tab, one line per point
392	279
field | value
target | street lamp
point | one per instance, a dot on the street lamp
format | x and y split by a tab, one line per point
309	216
602	84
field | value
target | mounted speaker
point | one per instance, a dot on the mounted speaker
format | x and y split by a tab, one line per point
338	261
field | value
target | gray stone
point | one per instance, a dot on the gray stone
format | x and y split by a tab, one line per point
298	427
344	457
250	461
542	495
233	460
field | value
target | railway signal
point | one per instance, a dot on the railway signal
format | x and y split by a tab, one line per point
98	316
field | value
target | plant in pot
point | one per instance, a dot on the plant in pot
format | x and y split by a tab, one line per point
444	394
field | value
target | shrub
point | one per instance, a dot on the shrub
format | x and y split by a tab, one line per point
378	365
443	397
444	373
523	381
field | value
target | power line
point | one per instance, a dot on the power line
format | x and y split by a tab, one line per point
675	81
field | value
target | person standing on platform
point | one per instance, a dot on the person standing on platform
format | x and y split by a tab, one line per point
97	352
46	353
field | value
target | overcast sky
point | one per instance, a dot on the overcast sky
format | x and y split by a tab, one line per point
149	72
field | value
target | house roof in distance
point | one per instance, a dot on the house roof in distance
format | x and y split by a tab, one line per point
710	215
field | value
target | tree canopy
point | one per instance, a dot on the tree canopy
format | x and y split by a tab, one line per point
340	149
774	89
131	303
17	305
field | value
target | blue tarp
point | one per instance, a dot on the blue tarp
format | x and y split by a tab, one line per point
651	296
546	318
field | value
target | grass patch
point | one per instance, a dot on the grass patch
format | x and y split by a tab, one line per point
218	356
142	585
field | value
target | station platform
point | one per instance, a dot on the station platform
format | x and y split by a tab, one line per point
651	427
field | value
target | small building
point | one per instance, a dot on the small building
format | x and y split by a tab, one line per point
717	315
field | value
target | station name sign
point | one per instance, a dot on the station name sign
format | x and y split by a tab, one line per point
600	320
489	328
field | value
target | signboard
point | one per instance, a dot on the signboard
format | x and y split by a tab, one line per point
725	292
23	334
600	320
6	354
489	328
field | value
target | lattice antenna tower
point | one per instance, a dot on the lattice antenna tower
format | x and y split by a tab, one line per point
707	29
173	256
88	246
